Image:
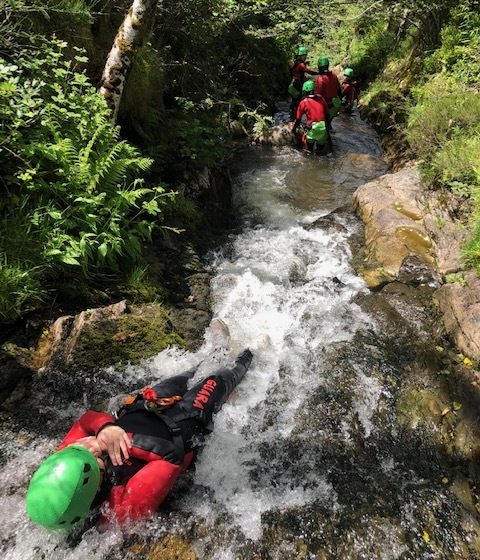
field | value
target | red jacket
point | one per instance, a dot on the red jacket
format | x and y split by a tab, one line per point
315	108
143	493
298	70
327	85
350	91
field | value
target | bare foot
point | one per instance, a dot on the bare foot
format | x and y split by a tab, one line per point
220	335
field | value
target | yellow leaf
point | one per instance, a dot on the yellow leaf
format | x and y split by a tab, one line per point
444	480
467	362
439	348
456	405
426	537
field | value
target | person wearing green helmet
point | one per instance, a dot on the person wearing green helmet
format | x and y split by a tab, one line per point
130	460
314	110
63	488
328	86
350	90
298	70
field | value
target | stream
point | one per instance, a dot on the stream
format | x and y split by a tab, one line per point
335	445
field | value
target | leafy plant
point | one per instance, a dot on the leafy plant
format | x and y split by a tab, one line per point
73	190
456	278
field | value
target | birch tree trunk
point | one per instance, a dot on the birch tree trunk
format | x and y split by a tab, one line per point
131	36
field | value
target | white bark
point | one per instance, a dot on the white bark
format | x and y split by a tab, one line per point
131	36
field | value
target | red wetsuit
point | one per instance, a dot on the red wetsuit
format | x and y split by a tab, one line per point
315	109
143	493
327	85
350	91
298	70
158	456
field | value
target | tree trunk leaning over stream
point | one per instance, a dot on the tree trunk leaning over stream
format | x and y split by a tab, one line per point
131	36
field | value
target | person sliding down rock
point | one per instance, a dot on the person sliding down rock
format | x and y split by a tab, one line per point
131	460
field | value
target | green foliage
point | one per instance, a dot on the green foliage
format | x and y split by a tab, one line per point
73	202
444	129
254	119
456	278
426	92
369	52
20	289
199	136
460	48
444	110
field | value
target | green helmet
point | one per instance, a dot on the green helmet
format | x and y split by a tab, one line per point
348	72
302	51
308	86
323	62
63	488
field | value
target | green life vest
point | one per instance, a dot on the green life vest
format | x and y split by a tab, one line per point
293	91
335	108
318	133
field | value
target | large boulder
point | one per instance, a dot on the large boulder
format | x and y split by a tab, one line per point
460	304
279	135
101	337
391	209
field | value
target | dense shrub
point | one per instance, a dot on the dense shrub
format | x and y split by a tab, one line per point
369	51
445	109
72	199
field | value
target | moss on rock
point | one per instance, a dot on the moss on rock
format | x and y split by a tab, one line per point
134	336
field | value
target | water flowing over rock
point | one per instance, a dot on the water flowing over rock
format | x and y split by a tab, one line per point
344	441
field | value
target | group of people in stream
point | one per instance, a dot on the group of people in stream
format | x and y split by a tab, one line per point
316	102
115	468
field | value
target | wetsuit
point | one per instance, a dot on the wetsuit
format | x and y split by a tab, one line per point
315	109
164	440
328	86
298	78
350	93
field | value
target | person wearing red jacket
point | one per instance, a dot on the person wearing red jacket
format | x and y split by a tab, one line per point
315	111
139	453
350	90
328	86
298	71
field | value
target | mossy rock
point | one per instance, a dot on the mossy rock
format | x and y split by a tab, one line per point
131	337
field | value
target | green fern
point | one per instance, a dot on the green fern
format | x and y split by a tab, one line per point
75	190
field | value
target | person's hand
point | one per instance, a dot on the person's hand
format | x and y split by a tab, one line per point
91	443
115	441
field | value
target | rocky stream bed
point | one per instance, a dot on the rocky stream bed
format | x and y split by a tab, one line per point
355	433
